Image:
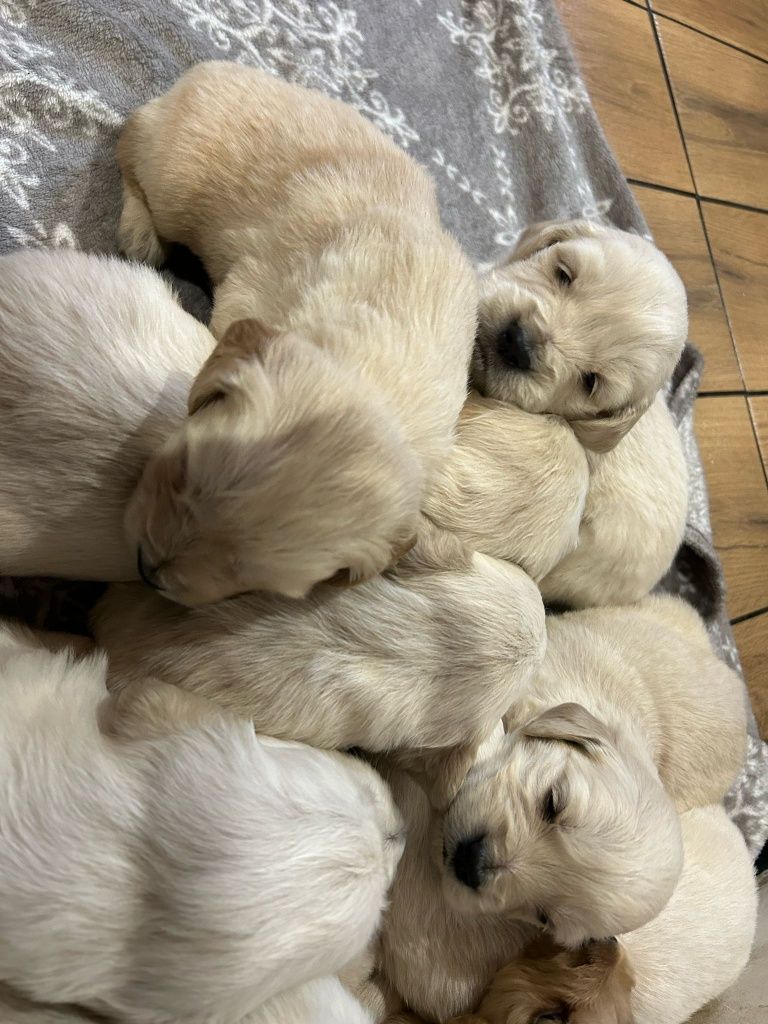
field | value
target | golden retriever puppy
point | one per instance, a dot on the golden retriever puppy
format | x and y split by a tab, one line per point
426	658
260	491
583	321
591	528
630	716
316	226
161	862
660	974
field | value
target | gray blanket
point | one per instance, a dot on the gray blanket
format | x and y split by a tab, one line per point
484	93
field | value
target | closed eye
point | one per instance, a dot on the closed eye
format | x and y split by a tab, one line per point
589	382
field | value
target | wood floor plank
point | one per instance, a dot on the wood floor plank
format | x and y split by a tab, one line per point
752	641
722	100
676	226
738	499
759	407
740	22
617	53
739	241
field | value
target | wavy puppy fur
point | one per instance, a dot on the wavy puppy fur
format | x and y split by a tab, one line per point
314	225
426	657
181	889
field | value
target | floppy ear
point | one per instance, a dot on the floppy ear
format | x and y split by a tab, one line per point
570	723
602	433
544	233
243	340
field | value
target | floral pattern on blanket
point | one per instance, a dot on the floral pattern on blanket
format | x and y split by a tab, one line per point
485	93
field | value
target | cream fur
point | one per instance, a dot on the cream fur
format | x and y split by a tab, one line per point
600	345
663	972
592	528
425	658
310	221
96	360
322	1001
155	864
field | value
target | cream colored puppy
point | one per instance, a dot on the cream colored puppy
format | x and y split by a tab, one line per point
426	658
311	221
583	321
663	972
322	1001
161	862
274	488
630	716
591	528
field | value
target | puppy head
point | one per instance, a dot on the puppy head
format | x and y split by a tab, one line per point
283	475
566	825
583	321
591	984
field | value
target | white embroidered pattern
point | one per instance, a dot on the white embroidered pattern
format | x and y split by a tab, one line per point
38	102
312	44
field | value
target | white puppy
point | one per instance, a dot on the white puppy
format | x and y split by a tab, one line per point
663	972
311	221
583	321
160	862
97	359
591	528
574	816
425	658
322	1001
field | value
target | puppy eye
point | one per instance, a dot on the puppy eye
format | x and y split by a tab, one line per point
554	1016
551	806
563	276
543	919
589	382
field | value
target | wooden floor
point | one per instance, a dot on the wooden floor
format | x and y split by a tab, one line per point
681	87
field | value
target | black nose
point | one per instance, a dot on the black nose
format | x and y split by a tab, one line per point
147	572
515	346
469	859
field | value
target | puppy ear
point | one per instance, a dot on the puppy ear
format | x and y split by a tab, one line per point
544	233
242	341
570	723
603	433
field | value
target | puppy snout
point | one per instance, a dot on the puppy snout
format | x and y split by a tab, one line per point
148	572
469	861
515	346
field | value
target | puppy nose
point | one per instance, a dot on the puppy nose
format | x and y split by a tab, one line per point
515	346
469	859
147	572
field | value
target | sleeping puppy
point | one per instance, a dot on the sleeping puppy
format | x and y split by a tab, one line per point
583	321
590	528
333	277
660	974
424	658
630	716
161	862
438	949
273	488
544	473
566	823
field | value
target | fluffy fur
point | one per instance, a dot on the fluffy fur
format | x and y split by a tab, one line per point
96	358
424	658
592	528
630	716
663	972
360	311
322	1001
155	863
584	321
